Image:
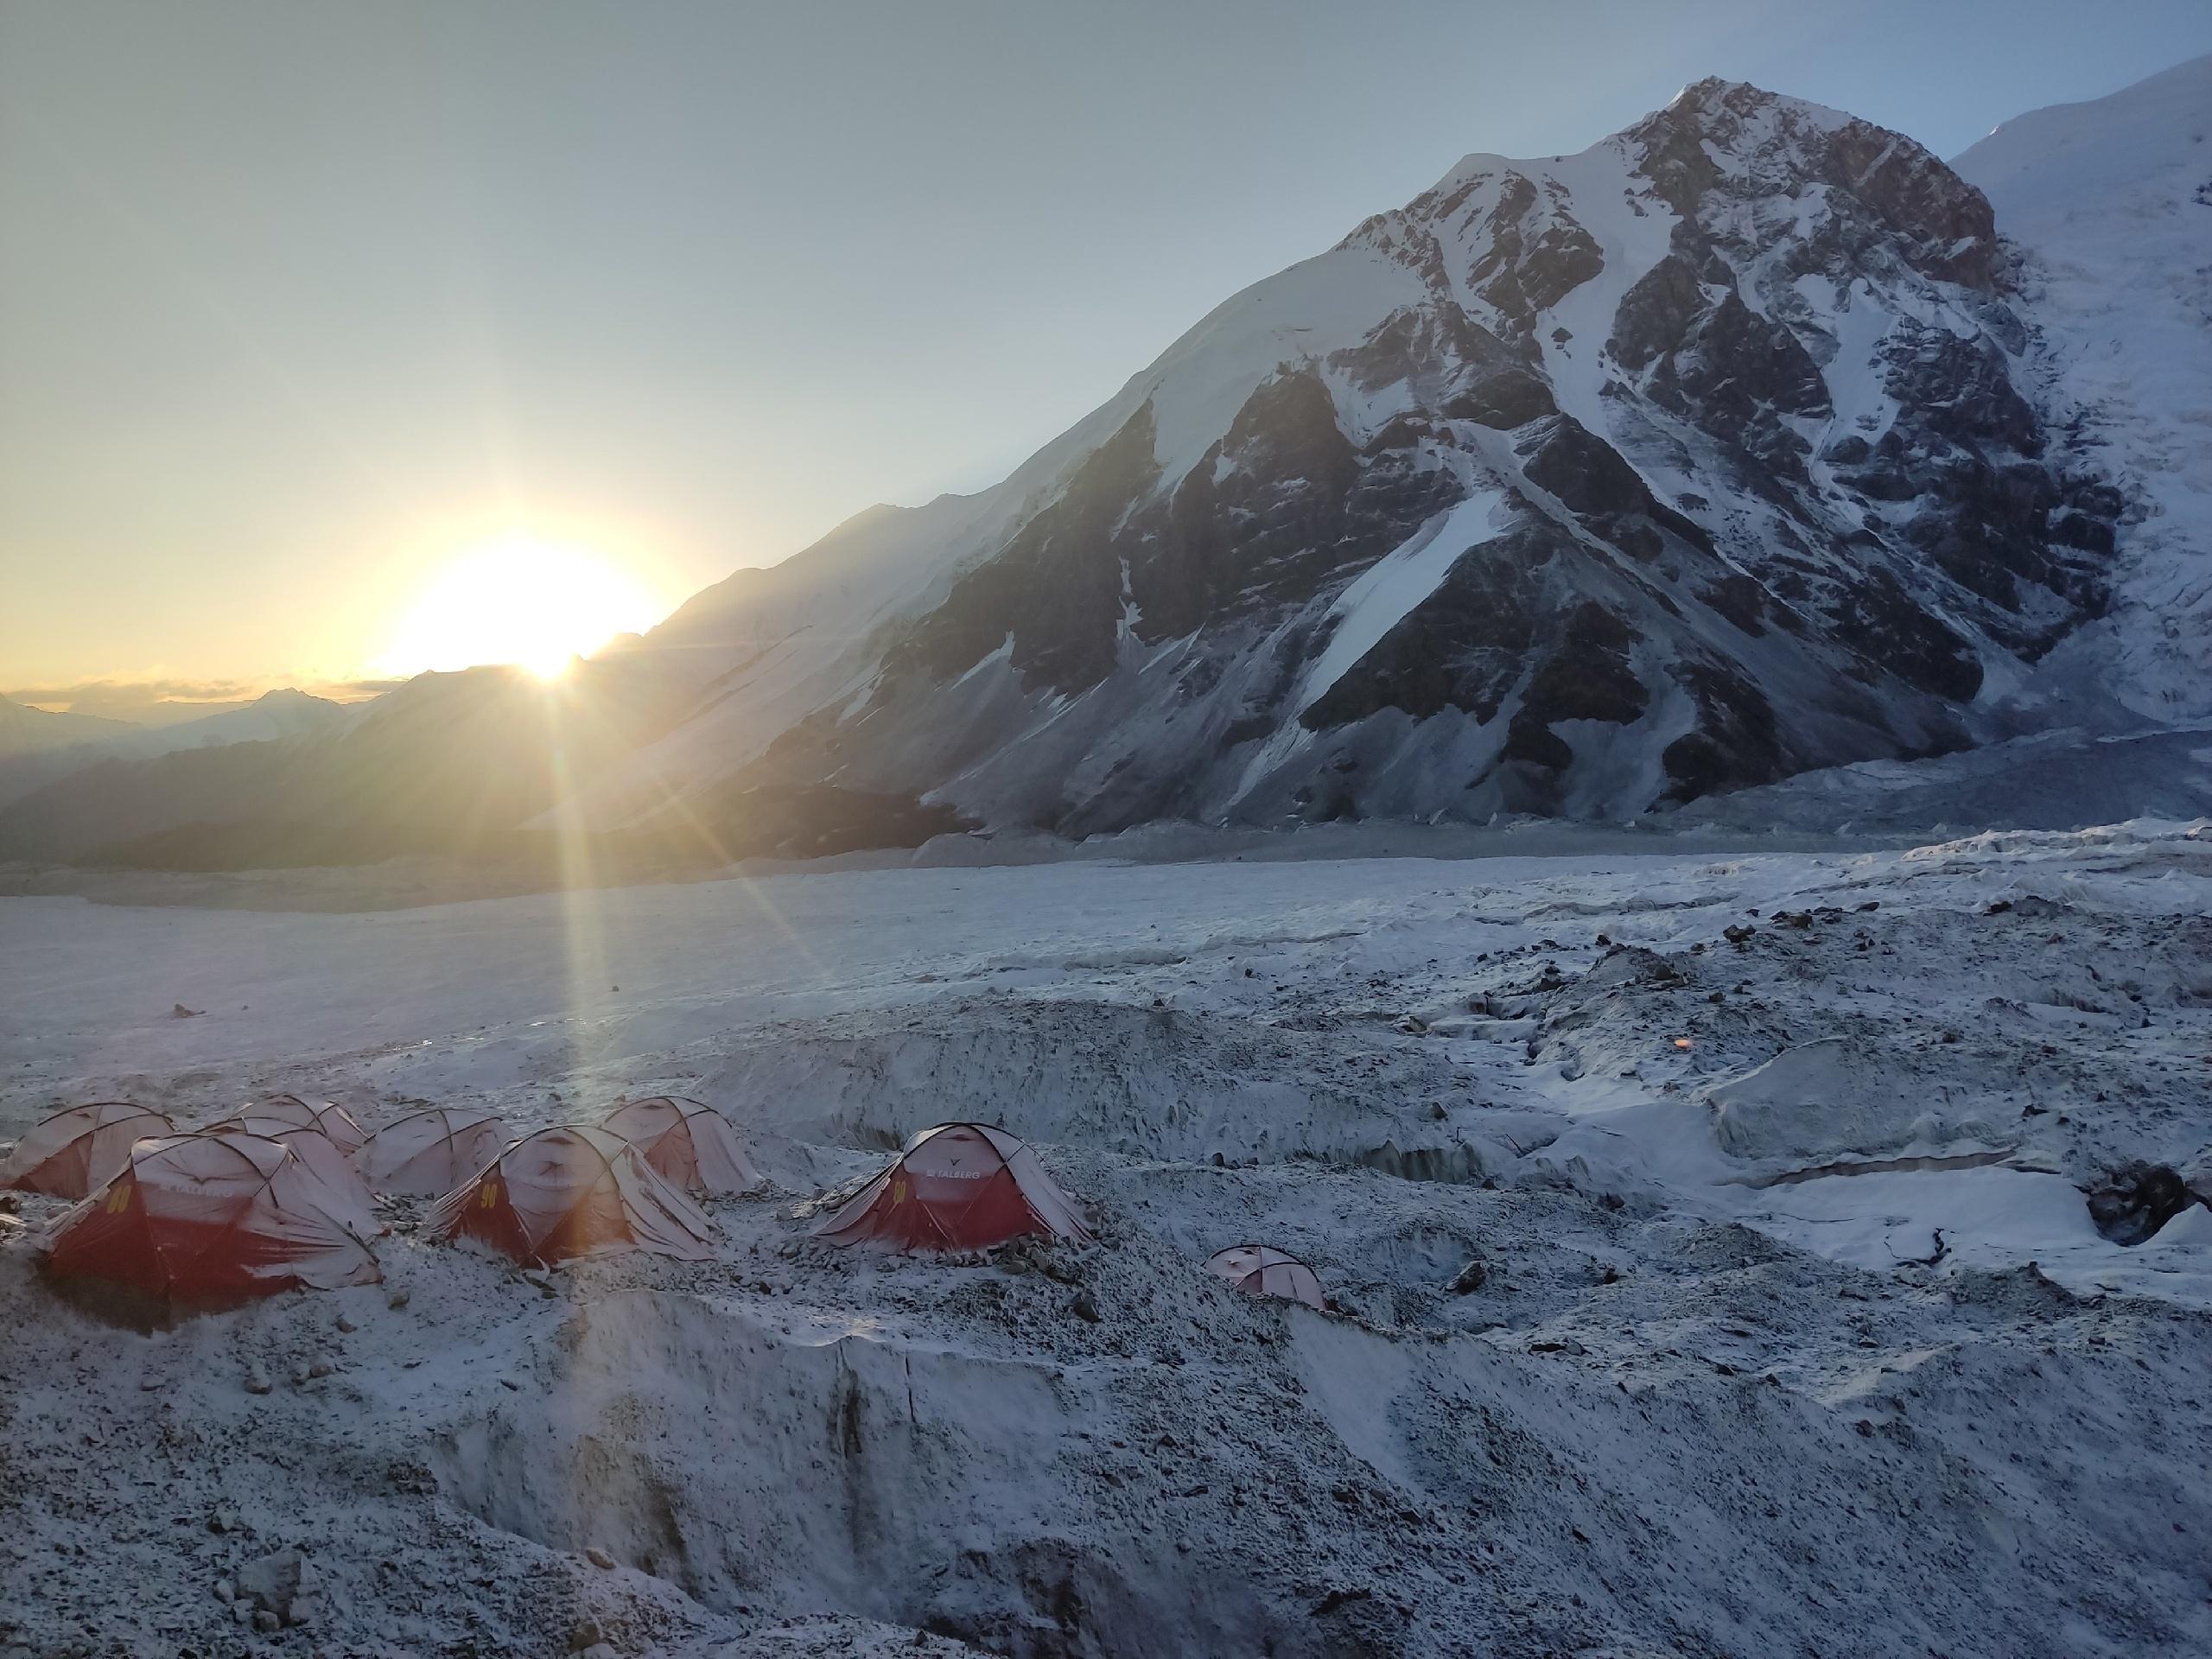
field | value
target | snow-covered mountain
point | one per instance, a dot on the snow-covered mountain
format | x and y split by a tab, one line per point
1752	442
2110	205
1723	450
280	714
444	763
25	730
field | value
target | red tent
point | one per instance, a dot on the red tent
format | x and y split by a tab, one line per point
689	1143
79	1148
316	1148
572	1192
218	1216
1262	1270
430	1153
250	1122
958	1186
280	1113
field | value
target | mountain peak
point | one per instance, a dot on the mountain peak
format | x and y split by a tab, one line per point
1716	97
1716	129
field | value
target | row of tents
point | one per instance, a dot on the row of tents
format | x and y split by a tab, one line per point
282	1195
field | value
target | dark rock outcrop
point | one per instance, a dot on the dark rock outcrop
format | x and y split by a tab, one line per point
2131	1204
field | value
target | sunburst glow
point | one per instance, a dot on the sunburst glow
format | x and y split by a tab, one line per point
522	600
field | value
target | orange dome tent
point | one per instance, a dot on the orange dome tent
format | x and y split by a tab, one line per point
689	1143
430	1153
221	1215
280	1116
1262	1270
80	1148
317	1149
572	1192
958	1186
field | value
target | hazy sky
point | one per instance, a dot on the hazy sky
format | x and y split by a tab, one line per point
299	300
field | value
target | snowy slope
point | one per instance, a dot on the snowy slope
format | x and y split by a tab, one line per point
764	647
780	642
2110	205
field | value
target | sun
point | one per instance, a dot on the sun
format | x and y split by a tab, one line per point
519	599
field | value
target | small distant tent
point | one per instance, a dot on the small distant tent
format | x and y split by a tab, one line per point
218	1216
572	1191
79	1148
280	1116
429	1153
688	1142
1263	1270
958	1186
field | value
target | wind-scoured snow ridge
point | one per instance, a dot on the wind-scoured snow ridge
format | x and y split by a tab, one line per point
1769	475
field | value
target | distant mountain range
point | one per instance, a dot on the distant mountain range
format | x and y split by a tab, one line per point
37	746
25	730
1752	441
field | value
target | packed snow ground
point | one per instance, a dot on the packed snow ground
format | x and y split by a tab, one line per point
1797	1339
